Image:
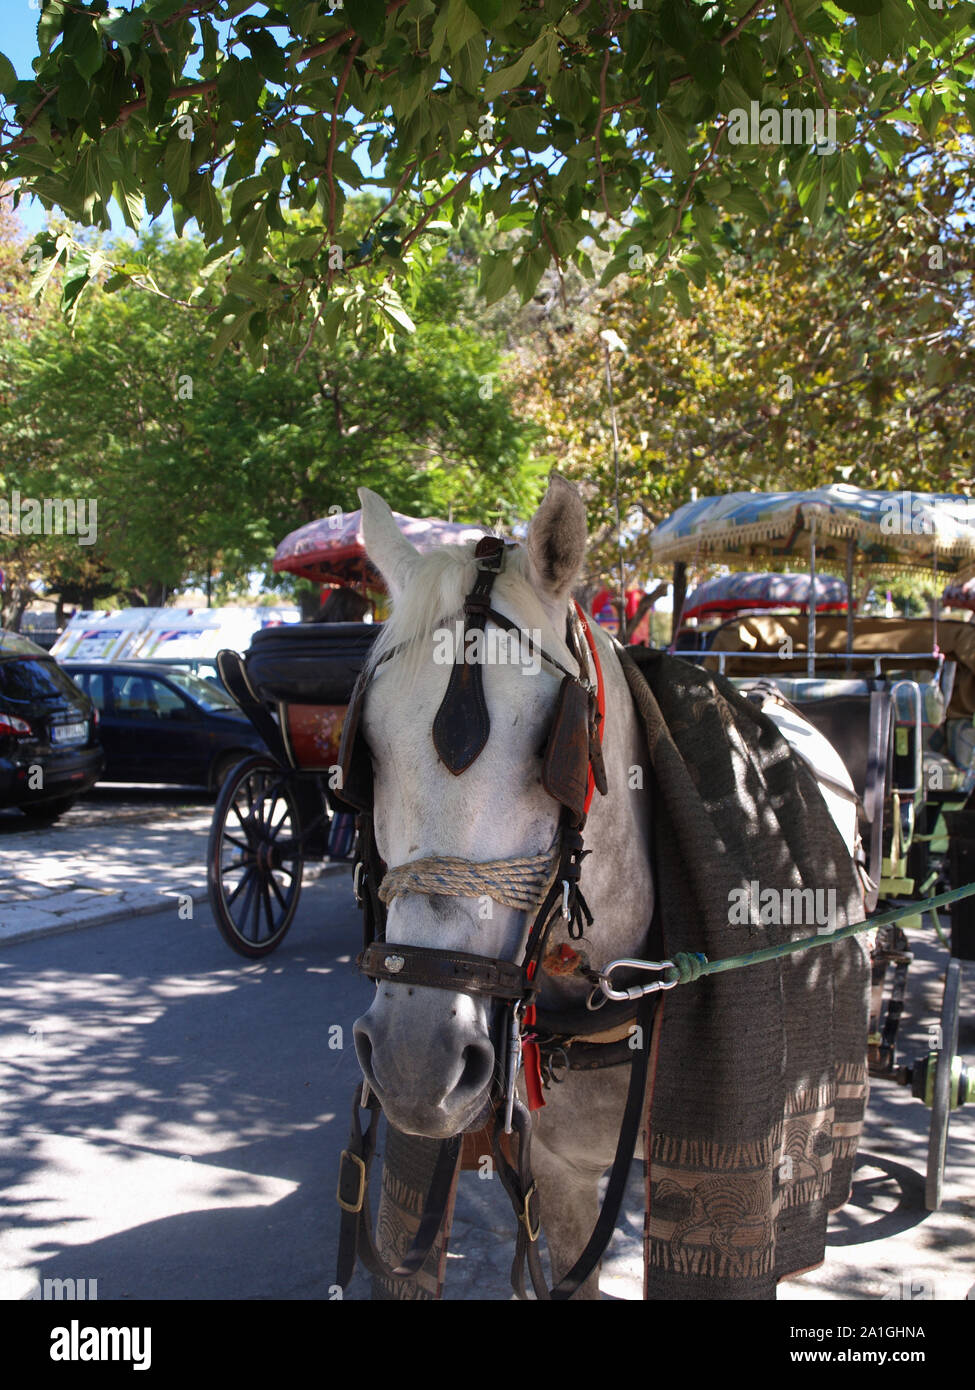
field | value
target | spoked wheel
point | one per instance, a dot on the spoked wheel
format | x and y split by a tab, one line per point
255	857
949	1077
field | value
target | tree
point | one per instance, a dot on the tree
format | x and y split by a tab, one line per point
840	353
636	125
200	469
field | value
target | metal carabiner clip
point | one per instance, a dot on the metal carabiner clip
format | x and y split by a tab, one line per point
513	1062
635	991
357	882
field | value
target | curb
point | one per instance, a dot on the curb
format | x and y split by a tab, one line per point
119	911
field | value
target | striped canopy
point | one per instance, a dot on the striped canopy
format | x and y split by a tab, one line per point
734	593
894	530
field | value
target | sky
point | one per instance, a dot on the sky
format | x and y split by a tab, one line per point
18	41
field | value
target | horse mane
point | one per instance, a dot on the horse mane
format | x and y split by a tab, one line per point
434	598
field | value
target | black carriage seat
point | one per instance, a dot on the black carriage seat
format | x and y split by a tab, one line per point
309	663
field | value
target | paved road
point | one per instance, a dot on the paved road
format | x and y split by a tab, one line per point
172	1118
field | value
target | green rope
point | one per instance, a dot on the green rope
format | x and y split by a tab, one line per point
945	940
691	965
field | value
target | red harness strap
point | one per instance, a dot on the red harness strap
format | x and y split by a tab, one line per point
531	1057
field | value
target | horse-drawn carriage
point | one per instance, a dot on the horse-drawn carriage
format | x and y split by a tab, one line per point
894	696
885	711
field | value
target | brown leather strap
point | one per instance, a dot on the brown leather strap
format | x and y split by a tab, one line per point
355	1228
422	965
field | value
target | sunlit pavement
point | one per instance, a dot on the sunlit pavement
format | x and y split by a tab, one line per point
173	1115
116	854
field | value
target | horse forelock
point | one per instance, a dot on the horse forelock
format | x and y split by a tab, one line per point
435	597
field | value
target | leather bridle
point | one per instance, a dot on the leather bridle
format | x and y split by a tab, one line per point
572	769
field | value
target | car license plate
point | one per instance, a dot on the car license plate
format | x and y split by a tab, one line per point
69	733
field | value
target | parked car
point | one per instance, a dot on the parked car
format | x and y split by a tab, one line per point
49	748
161	724
203	666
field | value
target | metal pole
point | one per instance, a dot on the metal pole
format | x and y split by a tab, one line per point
935	610
811	626
680	594
851	546
616	470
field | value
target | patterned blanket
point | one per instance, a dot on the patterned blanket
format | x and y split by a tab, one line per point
758	1076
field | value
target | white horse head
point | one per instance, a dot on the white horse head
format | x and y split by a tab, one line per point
427	1052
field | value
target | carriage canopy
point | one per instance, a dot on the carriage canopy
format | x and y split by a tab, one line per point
899	530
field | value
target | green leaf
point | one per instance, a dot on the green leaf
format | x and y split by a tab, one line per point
503	79
209	213
391	307
677	283
240	85
85	49
232	326
673	140
846	179
123	26
368	19
8	77
177	164
160	87
860	7
571	94
133	207
497	277
745	200
530	270
487	11
266	54
50	25
706	62
881	35
694	264
74	93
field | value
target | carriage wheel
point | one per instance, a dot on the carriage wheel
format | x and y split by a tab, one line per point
941	1095
255	857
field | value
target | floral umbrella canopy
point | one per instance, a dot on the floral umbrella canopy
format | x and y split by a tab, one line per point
891	530
734	593
332	551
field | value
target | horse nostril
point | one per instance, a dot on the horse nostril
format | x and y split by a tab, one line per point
478	1059
363	1050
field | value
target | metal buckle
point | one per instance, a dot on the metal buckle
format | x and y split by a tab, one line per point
348	1206
635	991
565	898
525	1215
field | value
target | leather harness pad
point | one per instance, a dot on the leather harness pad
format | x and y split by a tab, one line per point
462	725
565	768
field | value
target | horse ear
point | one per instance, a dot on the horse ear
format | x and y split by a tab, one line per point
557	539
388	549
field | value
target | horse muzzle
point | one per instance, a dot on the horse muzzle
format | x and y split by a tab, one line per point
428	1057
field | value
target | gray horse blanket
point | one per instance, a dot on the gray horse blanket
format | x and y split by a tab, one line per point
758	1077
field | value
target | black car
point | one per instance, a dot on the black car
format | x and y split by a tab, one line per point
161	724
49	749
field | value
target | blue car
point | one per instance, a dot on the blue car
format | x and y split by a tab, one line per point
161	724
